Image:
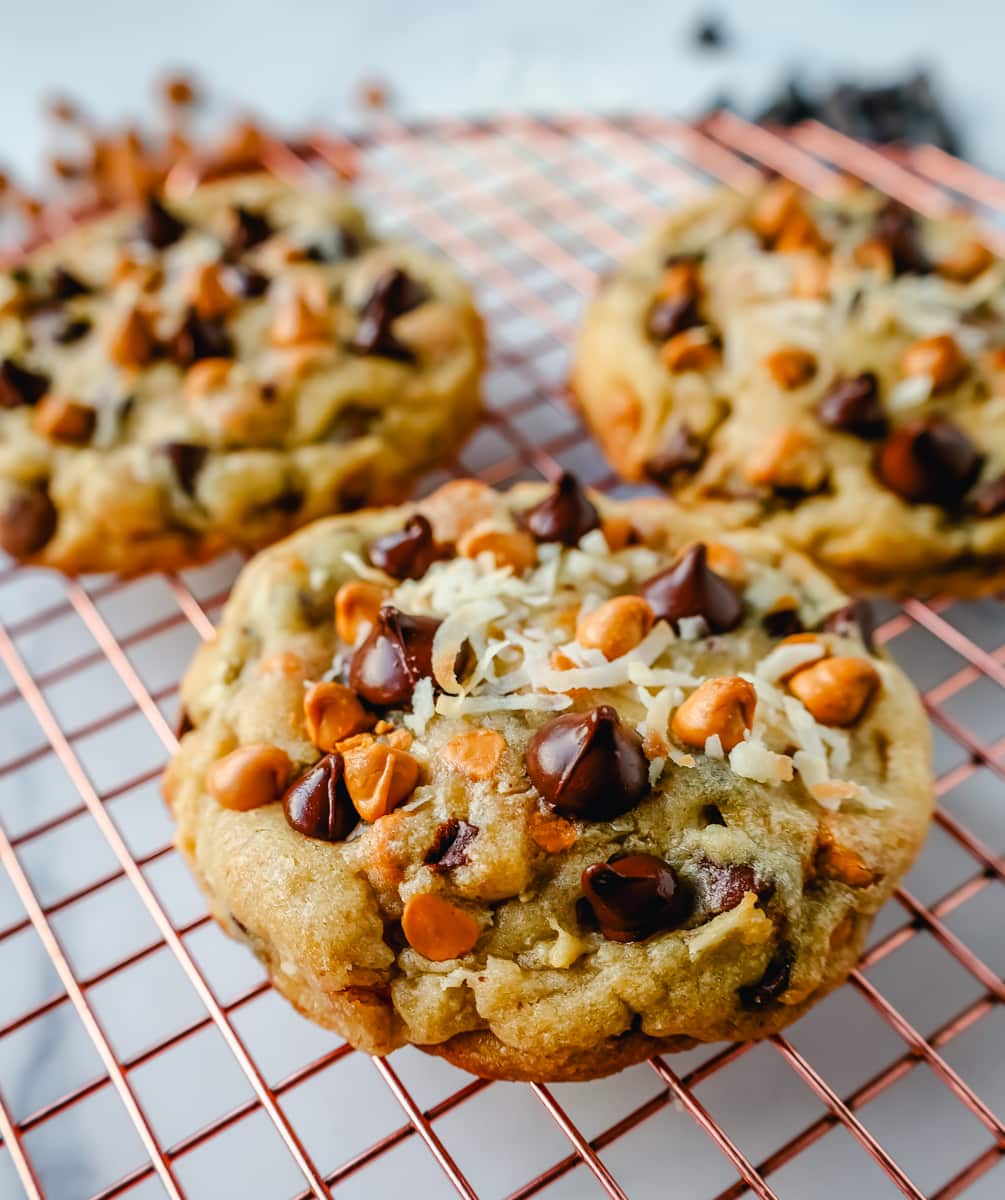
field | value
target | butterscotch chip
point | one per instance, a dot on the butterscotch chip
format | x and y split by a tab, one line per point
509	548
207	292
722	708
552	833
356	604
249	777
836	690
64	420
378	778
132	342
791	367
333	713
692	350
476	754
437	929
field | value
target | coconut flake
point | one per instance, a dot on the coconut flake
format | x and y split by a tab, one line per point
422	706
784	660
363	570
910	392
713	747
753	760
455	630
690	629
463	706
656	770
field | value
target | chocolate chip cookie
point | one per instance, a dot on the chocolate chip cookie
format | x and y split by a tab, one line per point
213	371
545	783
832	370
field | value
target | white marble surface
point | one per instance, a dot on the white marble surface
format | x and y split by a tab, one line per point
297	61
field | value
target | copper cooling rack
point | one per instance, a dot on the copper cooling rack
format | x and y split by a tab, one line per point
143	1055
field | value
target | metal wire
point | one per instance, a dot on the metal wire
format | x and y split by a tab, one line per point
532	209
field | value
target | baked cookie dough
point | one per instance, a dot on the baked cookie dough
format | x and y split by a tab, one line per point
831	370
545	783
213	371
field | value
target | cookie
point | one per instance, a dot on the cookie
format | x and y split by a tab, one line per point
546	783
830	370
215	370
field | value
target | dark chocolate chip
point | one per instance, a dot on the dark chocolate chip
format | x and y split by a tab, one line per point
200	337
28	522
450	845
251	283
394	294
589	765
690	588
70	330
183	723
897	226
853	406
989	498
669	317
772	983
407	553
64	285
722	887
783	622
186	461
855	619
564	515
353	421
248	229
318	805
929	461
159	227
682	455
394	656
19	385
288	501
634	896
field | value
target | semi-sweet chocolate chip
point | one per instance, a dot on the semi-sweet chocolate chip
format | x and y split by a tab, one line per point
64	285
929	461
199	338
394	656
564	515
853	406
772	983
682	455
28	521
248	229
897	227
158	227
672	316
634	896
186	461
407	553
854	619
589	765
450	845
722	886
394	294
783	622
690	588
19	385
318	805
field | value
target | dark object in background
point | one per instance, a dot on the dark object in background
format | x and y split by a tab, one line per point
898	112
710	33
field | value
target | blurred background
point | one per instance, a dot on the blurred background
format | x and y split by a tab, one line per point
301	62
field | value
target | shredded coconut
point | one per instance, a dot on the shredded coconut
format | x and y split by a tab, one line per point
753	760
783	660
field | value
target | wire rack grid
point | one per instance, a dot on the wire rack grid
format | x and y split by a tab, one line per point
142	1054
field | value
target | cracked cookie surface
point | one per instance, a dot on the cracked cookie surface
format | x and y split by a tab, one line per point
214	370
546	783
830	369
